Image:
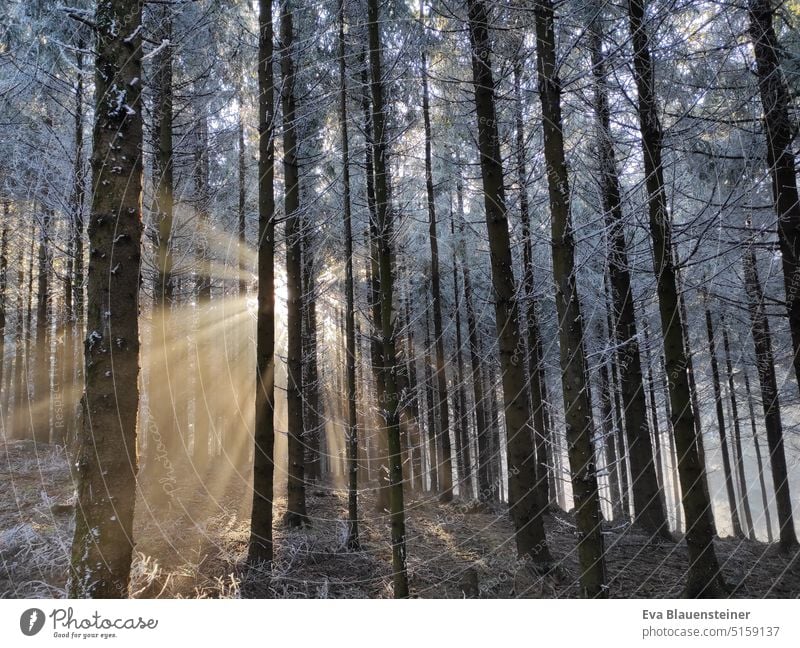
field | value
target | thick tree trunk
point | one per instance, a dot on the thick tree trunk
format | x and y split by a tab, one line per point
296	514
780	133
103	544
577	407
704	577
647	498
526	513
390	404
723	438
351	436
260	548
765	363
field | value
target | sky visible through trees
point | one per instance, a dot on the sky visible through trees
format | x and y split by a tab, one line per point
384	298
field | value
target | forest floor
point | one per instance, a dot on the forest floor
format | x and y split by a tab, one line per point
197	548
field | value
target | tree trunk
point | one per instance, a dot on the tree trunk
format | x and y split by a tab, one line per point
411	390
650	381
73	286
390	404
18	423
3	285
526	513
242	208
430	402
737	435
440	373
577	408
462	420
723	439
26	395
765	363
296	514
102	545
609	442
759	461
619	432
373	283
312	413
704	577
41	372
476	373
780	133
351	436
698	428
163	434
205	354
647	497
540	430
260	548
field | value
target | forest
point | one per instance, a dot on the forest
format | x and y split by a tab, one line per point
399	298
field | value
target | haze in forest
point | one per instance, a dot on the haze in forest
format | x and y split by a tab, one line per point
365	298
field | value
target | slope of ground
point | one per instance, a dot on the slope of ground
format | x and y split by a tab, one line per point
197	547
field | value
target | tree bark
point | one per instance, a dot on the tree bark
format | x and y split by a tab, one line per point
351	437
373	283
759	461
260	549
462	420
41	371
3	285
476	373
205	354
430	403
737	435
723	438
647	496
389	400
296	514
577	407
163	434
103	543
704	577
541	432
440	373
780	132
526	513
765	364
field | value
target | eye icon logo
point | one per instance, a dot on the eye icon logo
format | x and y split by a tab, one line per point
31	621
